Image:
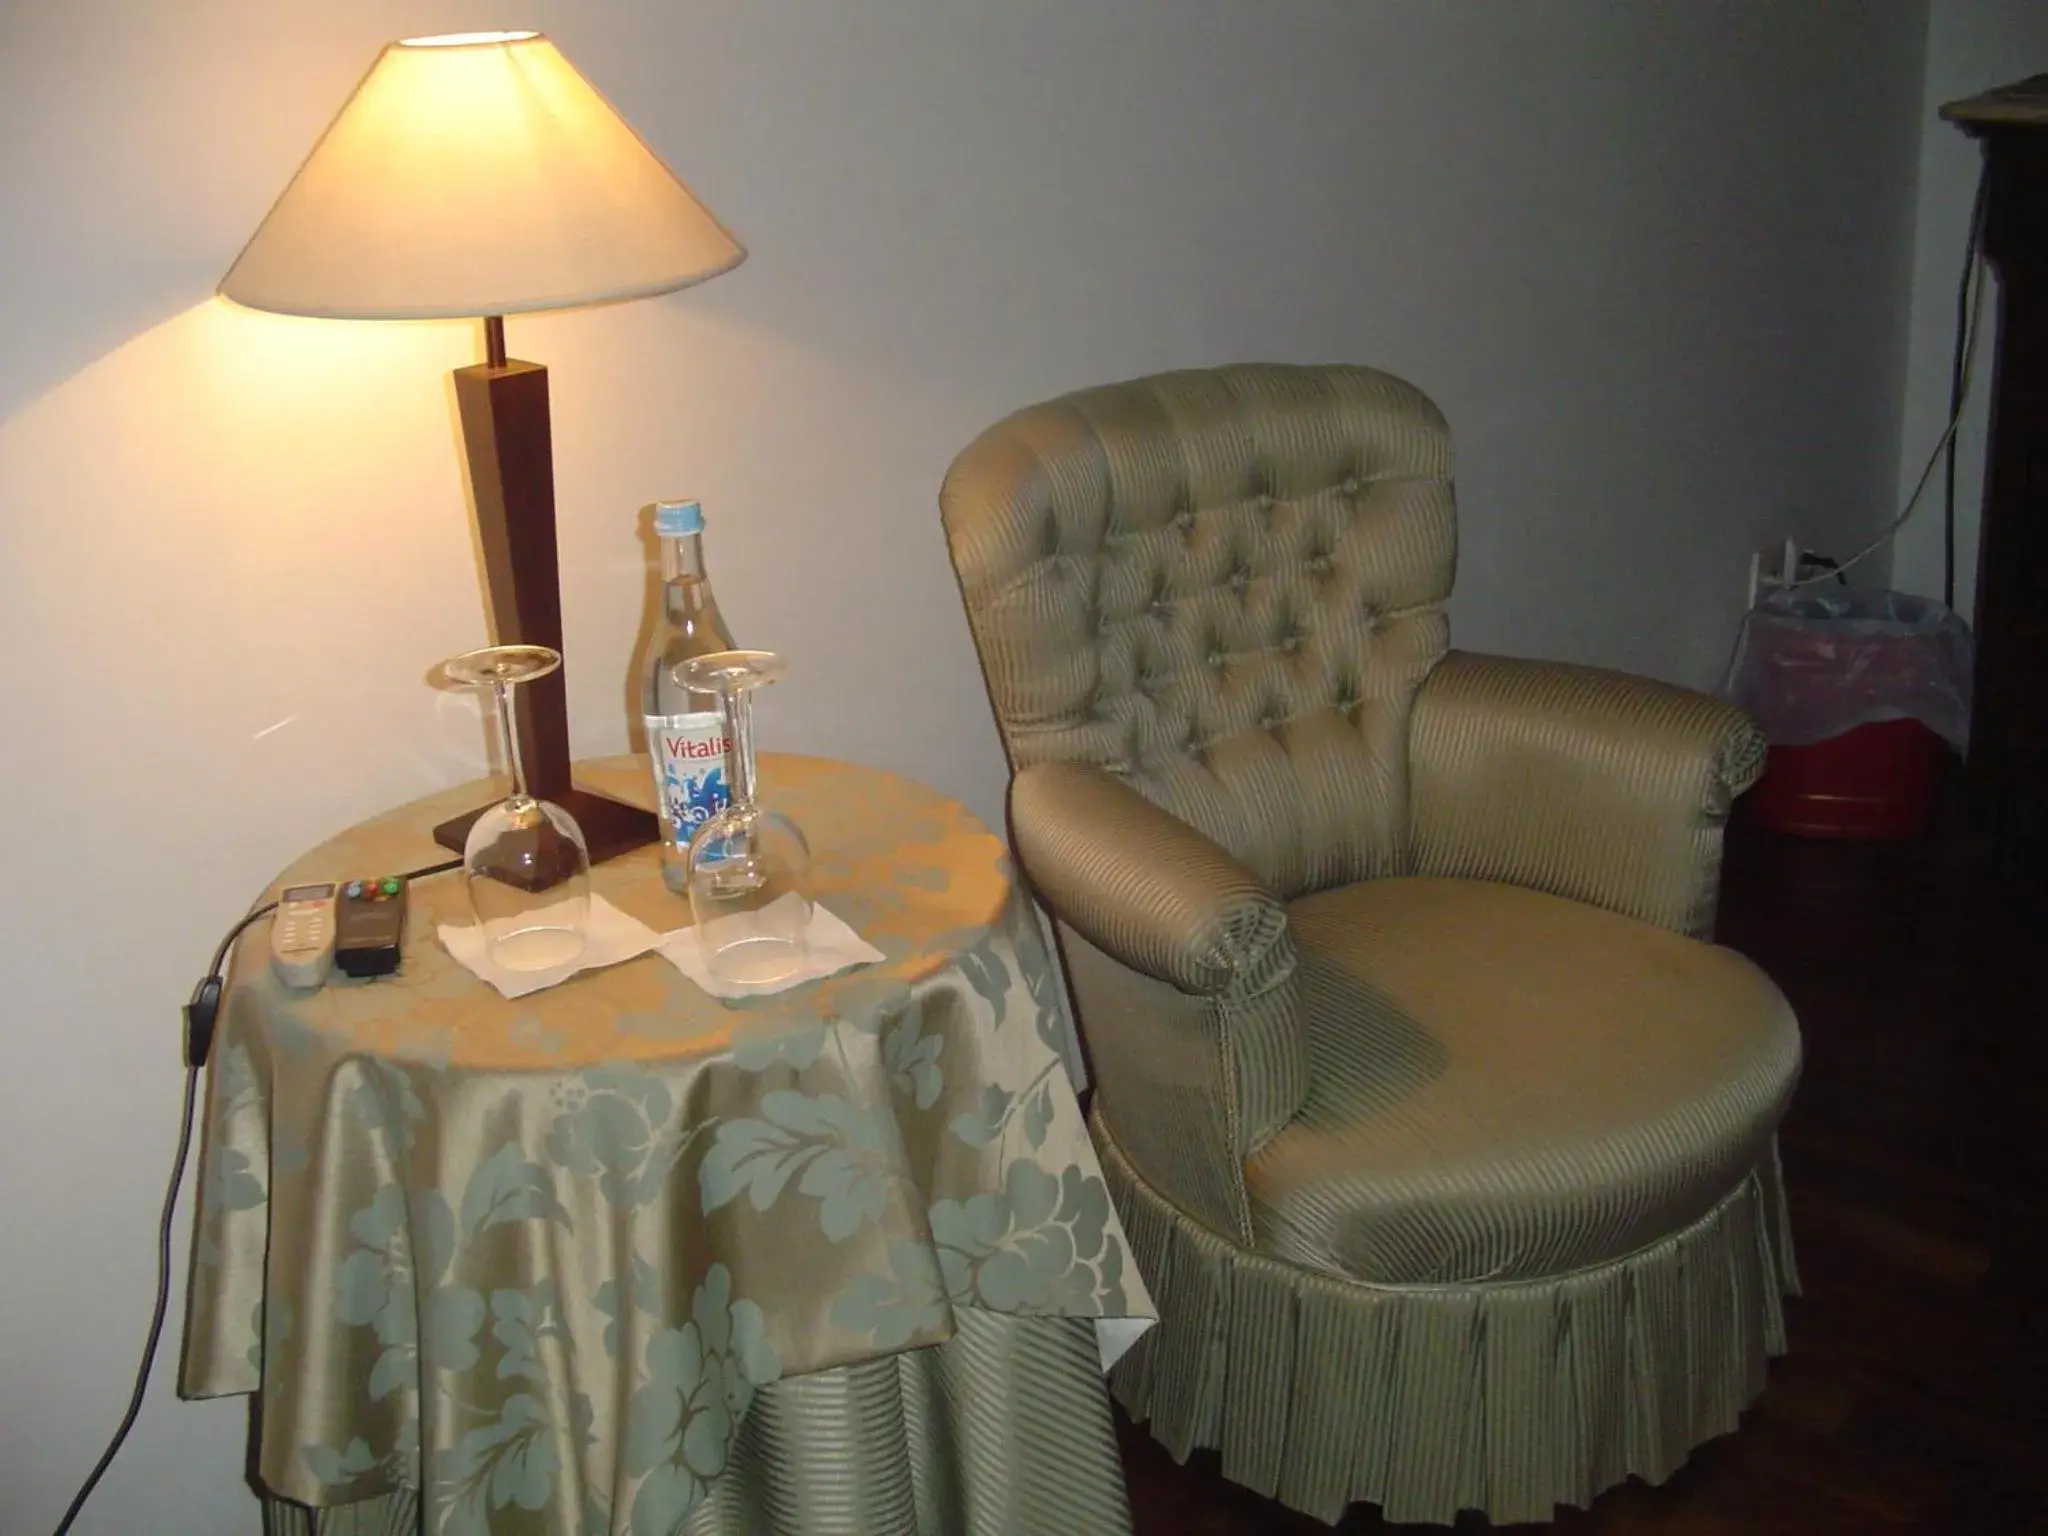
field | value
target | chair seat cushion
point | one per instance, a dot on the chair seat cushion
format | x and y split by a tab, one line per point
1505	1085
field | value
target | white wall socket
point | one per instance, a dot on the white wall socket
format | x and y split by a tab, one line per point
1773	568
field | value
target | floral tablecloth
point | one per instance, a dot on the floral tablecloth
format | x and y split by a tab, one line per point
534	1260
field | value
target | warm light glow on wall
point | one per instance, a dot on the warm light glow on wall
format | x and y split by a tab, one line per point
240	431
291	354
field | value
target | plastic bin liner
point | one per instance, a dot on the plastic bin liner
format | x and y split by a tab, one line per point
1814	663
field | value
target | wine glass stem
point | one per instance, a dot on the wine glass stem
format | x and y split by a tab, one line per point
514	764
739	729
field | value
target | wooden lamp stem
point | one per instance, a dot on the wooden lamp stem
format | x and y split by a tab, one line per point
505	430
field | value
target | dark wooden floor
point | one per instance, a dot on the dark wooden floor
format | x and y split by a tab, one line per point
1914	1391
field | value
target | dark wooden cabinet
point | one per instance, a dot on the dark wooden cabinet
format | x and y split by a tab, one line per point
2007	778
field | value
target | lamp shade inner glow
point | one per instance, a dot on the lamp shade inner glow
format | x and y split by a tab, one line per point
464	39
477	174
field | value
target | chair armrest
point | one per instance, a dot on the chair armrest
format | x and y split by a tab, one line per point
1595	785
1137	882
1183	978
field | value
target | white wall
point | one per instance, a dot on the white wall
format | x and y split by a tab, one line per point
1972	45
1651	260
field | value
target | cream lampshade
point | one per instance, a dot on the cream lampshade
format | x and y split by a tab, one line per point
477	174
480	174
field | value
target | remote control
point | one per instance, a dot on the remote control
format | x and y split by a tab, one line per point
302	935
369	926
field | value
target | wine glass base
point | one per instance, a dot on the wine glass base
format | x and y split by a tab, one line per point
536	949
758	962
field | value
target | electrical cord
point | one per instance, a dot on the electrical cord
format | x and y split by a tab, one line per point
156	1316
199	1014
1974	288
1956	383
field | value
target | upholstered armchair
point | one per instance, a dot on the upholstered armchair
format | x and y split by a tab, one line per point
1444	1137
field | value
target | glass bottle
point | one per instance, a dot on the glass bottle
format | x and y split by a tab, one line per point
687	740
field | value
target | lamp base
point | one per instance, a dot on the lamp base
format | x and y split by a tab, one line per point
610	827
504	410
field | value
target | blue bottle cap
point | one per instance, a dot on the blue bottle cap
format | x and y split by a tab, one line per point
674	519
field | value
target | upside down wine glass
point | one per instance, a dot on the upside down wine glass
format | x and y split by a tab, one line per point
748	868
525	864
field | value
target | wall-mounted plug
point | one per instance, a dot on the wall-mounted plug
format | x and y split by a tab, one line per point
1773	569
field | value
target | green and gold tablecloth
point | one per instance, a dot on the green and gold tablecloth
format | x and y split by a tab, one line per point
534	1266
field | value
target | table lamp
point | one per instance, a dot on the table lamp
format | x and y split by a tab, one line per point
479	174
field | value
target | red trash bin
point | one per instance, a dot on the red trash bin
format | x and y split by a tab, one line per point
1861	695
1876	781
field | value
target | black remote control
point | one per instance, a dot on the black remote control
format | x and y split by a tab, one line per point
369	926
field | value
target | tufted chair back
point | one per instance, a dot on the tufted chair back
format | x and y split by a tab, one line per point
1223	586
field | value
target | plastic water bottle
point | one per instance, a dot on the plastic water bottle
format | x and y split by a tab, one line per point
686	739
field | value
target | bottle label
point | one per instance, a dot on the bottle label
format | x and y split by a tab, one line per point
689	754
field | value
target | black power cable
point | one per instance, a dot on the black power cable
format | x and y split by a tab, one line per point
1957	377
1973	312
156	1316
200	1012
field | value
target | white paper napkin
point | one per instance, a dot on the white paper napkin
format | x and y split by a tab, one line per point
612	936
830	947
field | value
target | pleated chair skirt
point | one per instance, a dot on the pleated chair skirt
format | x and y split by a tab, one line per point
1510	1399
